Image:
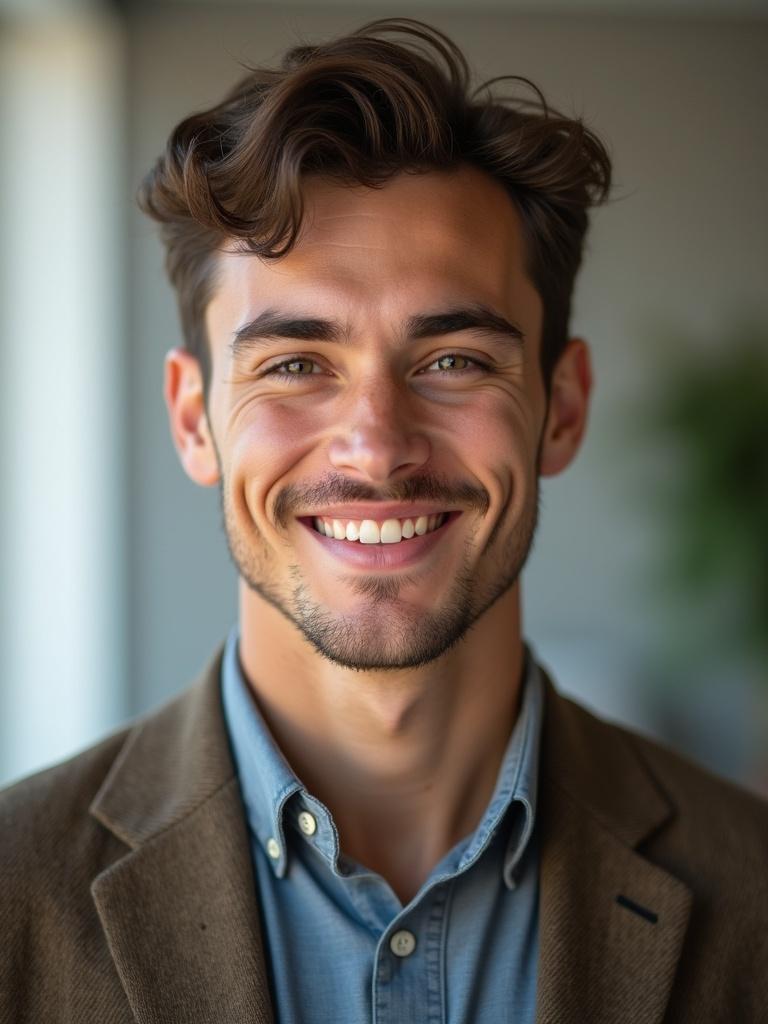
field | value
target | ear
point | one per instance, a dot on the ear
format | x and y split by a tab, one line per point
185	399
568	407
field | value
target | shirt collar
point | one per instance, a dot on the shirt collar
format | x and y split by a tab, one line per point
268	782
517	781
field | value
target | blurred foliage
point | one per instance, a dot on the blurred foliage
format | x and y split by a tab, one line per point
710	406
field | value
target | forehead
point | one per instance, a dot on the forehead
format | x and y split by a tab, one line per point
420	239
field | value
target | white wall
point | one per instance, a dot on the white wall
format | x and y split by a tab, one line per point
61	386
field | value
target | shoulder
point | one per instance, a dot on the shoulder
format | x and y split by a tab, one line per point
51	849
708	798
716	828
64	827
167	744
48	812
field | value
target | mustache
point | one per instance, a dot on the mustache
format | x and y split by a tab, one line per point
338	489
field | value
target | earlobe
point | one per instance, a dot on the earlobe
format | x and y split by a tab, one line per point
190	431
568	408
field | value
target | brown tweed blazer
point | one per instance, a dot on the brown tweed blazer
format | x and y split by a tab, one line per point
127	893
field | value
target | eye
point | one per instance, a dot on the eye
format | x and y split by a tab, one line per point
455	363
296	366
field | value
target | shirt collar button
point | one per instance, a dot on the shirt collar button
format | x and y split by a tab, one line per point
307	823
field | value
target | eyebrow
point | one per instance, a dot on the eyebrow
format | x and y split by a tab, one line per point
271	324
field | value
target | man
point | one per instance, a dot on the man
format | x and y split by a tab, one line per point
374	805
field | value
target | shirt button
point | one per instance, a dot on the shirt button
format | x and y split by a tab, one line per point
403	943
273	848
307	823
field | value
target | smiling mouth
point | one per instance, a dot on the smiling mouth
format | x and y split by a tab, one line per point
375	531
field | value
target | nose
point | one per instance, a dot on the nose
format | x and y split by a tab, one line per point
377	436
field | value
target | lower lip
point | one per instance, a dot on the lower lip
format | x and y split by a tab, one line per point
382	556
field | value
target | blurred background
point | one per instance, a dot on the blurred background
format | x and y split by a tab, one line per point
647	592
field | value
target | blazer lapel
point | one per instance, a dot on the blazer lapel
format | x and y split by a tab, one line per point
179	909
611	923
180	914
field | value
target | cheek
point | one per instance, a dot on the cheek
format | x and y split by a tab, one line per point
497	441
265	441
269	433
499	428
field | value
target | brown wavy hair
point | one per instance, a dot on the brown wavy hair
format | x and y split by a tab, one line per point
360	109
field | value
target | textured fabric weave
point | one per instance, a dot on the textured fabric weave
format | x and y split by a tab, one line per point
127	885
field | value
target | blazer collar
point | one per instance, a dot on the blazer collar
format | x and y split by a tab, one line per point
179	909
611	923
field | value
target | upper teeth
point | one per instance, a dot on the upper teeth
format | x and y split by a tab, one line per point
372	531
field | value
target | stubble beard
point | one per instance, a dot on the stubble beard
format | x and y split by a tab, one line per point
388	633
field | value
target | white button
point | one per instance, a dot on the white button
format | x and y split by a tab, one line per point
307	823
273	848
403	943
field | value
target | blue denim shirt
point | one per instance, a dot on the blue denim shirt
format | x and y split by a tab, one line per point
340	945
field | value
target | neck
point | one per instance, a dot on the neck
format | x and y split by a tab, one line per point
405	760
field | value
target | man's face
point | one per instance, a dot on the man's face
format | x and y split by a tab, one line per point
407	387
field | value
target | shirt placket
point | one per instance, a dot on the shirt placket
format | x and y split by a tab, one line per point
409	968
